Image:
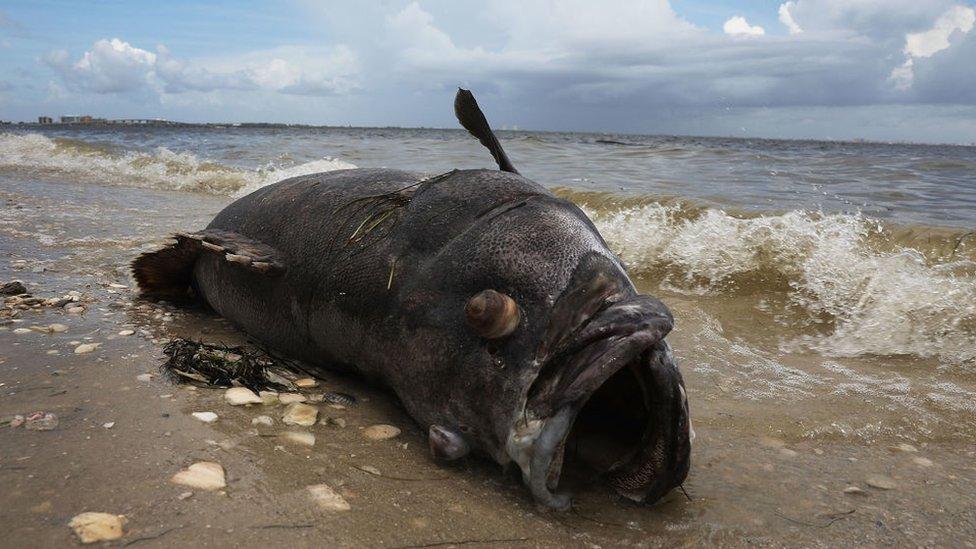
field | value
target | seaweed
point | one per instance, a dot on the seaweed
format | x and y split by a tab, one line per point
220	365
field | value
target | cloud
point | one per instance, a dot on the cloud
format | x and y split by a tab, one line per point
786	18
920	45
115	66
738	26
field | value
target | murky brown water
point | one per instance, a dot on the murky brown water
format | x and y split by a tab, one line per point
782	429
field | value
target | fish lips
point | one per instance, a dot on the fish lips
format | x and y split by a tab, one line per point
626	333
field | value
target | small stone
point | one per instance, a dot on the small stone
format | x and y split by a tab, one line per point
86	348
14	287
380	432
117	286
300	414
206	417
882	482
57	328
17	421
291	398
298	437
74	310
904	447
205	475
854	491
327	499
268	398
109	424
818	451
337	422
92	527
786	452
924	462
240	396
145	378
306	383
263	420
41	421
185	496
127	332
21	331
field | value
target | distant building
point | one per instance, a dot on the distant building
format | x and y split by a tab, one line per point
45	120
76	119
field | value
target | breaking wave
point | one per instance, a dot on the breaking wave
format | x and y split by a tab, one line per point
853	286
159	169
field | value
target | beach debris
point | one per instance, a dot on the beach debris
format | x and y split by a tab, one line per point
341	399
221	366
57	328
268	398
786	452
206	417
74	310
14	287
299	437
204	475
240	396
108	424
267	421
300	414
127	332
145	378
924	462
380	432
291	398
92	527
86	348
16	421
185	496
369	469
854	491
336	422
306	383
327	499
882	482
41	421
904	447
21	331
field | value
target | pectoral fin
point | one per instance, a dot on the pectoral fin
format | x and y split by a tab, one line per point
168	272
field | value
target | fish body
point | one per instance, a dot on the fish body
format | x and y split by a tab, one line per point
493	309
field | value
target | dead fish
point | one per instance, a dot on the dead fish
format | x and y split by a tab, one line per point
493	309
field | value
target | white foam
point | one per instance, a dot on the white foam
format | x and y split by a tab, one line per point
880	303
159	169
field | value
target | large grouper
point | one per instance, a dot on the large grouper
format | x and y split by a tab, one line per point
493	309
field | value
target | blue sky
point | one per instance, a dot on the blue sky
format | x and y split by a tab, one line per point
876	69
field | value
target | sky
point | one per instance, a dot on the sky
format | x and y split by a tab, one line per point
889	70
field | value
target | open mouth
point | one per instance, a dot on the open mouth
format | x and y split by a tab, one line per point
610	401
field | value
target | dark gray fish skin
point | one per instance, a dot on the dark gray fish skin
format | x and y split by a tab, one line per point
389	304
493	309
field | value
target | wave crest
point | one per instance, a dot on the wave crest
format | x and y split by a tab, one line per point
159	169
863	287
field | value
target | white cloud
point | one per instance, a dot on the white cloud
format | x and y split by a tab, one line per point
115	66
936	39
919	45
738	26
786	17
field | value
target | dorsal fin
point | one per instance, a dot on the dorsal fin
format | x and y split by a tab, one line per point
469	114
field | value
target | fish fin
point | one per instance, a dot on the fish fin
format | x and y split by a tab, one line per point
168	272
469	114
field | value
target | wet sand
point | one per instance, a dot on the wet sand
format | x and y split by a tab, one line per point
778	440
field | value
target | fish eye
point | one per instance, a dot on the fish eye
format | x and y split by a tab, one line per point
492	314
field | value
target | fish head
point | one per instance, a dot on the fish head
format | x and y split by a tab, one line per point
546	356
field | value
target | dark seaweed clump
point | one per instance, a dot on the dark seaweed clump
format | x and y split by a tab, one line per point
219	365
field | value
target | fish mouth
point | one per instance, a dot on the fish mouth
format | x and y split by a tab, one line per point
610	400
